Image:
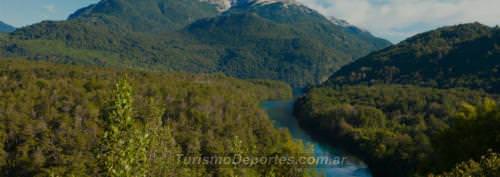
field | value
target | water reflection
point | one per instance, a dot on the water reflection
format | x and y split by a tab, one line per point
281	112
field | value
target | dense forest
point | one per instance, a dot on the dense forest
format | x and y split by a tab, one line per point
104	92
407	130
426	106
464	55
486	167
278	41
59	120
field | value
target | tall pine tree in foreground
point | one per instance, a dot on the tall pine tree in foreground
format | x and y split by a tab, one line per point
123	149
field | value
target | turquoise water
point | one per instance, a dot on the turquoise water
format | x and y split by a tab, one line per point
281	112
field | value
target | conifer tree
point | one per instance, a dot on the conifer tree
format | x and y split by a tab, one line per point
124	147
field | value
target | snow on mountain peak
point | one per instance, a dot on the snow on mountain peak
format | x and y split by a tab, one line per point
339	22
223	5
272	1
345	24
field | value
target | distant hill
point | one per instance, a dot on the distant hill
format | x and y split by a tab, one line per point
6	27
465	55
281	40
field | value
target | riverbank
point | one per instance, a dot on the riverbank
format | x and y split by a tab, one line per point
281	112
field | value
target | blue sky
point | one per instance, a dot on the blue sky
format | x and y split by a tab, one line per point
25	12
398	19
391	19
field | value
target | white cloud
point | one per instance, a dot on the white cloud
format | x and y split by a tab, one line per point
399	19
50	8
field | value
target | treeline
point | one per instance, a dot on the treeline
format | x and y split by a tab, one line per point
405	130
58	120
488	166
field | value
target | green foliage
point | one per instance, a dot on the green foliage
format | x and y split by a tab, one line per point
458	56
394	125
411	129
163	147
474	131
123	152
293	43
147	15
488	166
55	119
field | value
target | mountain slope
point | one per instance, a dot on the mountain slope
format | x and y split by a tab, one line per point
148	15
120	33
465	55
6	27
280	40
283	41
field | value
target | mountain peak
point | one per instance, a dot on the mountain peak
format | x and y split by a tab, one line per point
463	55
340	22
268	39
452	34
285	3
148	15
271	1
6	28
224	5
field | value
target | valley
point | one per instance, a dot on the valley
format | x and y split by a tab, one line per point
279	41
127	88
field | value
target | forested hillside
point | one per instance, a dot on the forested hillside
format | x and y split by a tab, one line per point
279	40
465	55
58	120
151	16
443	119
407	130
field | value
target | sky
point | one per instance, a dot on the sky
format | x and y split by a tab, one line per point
394	20
397	20
20	13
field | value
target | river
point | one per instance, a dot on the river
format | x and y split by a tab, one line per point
281	113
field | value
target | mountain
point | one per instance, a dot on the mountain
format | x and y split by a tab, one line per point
6	28
222	5
400	106
147	15
466	55
227	4
283	40
271	39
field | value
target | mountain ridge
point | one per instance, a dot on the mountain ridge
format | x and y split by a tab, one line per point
6	28
148	15
465	55
279	36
